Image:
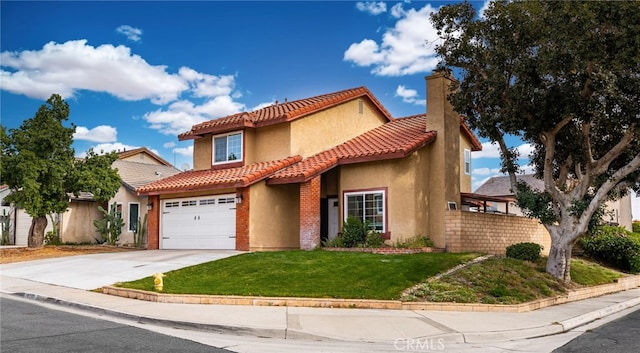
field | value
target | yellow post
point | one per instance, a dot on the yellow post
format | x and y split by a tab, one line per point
157	281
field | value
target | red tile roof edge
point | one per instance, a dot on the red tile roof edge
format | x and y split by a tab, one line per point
476	145
339	98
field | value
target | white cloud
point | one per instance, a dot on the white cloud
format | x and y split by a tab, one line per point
404	50
182	115
184	151
74	65
485	171
102	133
409	95
169	144
109	147
484	8
491	150
372	7
133	34
397	10
262	105
205	85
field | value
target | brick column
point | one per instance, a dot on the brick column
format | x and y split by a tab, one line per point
153	223
242	220
310	214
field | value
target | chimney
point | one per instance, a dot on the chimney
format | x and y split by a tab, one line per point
444	167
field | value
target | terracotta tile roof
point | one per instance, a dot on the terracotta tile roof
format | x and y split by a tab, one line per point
395	139
281	112
217	179
133	152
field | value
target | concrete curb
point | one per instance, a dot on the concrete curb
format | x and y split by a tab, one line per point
286	333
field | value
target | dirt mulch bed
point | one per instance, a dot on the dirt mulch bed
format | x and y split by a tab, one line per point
8	255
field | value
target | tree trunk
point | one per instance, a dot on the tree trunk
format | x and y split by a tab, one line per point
559	261
36	232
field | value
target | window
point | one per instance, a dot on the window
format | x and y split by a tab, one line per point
368	206
227	148
134	214
467	161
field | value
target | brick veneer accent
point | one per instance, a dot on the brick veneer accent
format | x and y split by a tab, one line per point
242	220
491	233
310	214
153	223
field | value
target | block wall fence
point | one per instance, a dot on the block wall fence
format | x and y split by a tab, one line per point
491	233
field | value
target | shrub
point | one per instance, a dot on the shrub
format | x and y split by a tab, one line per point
418	241
354	232
613	246
524	251
51	238
374	240
333	243
635	226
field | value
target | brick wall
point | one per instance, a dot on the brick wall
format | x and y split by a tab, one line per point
310	214
491	233
242	220
153	223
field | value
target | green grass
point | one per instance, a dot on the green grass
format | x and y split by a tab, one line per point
315	274
588	273
507	281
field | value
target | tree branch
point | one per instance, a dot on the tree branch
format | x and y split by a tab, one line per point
601	165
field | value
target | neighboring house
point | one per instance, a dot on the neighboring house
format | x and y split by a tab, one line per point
136	168
288	175
617	212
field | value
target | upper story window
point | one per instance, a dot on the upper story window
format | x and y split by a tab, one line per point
227	148
467	161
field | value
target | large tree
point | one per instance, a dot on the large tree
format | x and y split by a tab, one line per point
563	76
39	166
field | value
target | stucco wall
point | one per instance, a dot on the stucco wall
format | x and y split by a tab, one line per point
274	217
407	191
126	197
76	225
491	233
202	153
267	144
333	126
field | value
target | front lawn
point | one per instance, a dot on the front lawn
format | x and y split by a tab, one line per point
312	274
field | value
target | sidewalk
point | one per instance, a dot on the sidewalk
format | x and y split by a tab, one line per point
339	324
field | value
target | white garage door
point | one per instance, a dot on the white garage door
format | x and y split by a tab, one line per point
206	222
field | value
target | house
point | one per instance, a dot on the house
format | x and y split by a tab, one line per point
617	212
286	176
136	167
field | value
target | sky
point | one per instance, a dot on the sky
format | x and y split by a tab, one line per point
136	74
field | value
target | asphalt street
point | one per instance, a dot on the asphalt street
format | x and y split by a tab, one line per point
31	328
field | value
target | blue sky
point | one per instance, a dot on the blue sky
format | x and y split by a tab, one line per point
139	73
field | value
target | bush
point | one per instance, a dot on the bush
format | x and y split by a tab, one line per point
354	232
613	246
51	238
635	226
418	241
374	240
333	243
524	251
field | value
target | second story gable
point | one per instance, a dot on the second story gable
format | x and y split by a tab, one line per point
302	127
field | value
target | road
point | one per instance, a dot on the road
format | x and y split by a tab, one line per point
619	336
31	328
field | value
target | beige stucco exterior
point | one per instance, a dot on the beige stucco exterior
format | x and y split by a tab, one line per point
126	197
271	143
274	217
76	224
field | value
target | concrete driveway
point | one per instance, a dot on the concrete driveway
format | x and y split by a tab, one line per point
97	270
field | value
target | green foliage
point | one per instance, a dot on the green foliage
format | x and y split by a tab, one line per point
416	242
39	166
333	243
51	238
524	251
6	228
140	232
563	76
614	246
110	226
374	240
636	226
536	204
354	232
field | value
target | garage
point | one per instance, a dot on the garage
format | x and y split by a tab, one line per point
205	222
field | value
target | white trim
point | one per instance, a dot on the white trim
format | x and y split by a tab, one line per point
213	147
363	193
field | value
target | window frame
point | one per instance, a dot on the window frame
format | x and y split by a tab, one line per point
129	215
467	161
240	158
363	192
